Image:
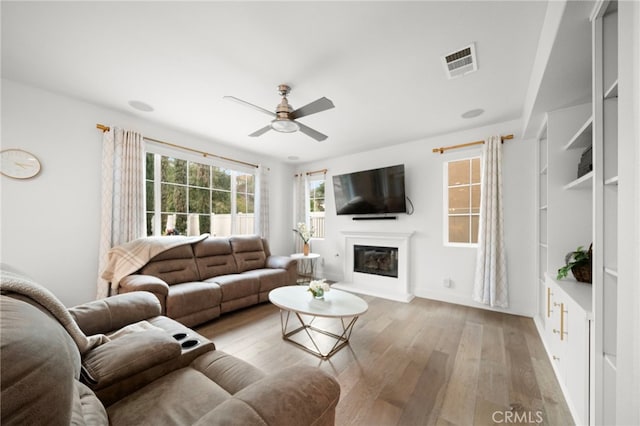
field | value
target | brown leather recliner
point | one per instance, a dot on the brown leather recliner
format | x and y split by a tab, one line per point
60	367
198	282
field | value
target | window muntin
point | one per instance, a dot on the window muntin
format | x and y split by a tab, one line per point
462	202
185	195
315	206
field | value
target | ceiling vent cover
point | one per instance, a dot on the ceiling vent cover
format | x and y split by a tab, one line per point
460	62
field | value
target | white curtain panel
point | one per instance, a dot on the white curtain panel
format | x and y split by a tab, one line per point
123	194
490	284
262	202
299	210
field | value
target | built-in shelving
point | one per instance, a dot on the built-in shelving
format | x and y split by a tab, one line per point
583	137
612	92
611	272
611	181
611	360
583	182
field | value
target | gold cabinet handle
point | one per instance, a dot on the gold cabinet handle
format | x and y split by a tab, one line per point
561	332
555	358
549	294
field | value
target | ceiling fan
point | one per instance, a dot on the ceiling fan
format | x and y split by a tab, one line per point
285	116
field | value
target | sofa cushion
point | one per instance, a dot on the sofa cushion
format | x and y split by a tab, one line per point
190	297
269	278
156	403
214	257
173	266
87	408
236	286
248	252
128	355
37	355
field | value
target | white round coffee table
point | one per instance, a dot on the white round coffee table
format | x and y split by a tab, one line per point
336	304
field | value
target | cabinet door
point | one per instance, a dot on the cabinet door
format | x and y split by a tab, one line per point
576	354
552	327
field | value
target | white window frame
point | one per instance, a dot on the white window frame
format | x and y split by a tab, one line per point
445	202
307	202
159	150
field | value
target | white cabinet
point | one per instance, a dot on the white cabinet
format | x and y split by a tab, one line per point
565	221
567	338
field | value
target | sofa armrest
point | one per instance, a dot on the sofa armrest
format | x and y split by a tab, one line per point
127	355
105	315
281	262
299	395
148	283
155	285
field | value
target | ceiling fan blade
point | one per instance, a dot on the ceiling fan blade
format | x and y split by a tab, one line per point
318	105
245	103
261	131
310	132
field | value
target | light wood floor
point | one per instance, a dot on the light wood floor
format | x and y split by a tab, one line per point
422	363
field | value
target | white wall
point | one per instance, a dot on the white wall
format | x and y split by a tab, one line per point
431	261
50	224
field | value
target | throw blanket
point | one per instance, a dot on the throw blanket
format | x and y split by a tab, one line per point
128	258
11	281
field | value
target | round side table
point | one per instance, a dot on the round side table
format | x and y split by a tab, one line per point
307	266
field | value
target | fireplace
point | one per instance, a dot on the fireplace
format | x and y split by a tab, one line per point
377	264
376	260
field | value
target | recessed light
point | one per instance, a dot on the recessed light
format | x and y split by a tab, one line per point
140	106
473	113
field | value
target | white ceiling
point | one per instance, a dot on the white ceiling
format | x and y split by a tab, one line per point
379	62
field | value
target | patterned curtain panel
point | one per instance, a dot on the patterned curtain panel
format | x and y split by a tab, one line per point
123	194
490	284
299	211
262	202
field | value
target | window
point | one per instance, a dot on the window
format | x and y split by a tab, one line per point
315	206
190	198
462	202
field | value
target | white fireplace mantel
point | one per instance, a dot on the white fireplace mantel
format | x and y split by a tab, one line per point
399	288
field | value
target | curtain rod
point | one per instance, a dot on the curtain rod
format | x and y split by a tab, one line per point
462	145
203	153
312	173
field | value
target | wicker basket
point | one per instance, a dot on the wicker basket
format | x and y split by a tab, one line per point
583	272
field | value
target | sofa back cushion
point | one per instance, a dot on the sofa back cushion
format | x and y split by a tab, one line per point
174	266
40	365
248	252
214	257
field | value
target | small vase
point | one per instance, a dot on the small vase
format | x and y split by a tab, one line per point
319	294
305	249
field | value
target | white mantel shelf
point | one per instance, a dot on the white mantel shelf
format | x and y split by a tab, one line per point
398	289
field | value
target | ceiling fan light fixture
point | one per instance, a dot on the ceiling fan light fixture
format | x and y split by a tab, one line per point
284	125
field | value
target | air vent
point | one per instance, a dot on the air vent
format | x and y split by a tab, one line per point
460	62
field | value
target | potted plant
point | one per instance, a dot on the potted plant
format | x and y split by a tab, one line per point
579	262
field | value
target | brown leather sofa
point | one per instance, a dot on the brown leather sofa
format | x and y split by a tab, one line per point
61	367
197	282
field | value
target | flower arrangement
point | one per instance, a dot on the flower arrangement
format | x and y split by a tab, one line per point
304	232
318	288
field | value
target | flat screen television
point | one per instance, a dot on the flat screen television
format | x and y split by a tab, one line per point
375	191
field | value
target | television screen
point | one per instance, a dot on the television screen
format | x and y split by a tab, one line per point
370	191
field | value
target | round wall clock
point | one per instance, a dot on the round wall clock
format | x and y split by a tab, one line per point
19	164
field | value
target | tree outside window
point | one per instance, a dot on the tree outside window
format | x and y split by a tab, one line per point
186	197
462	201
